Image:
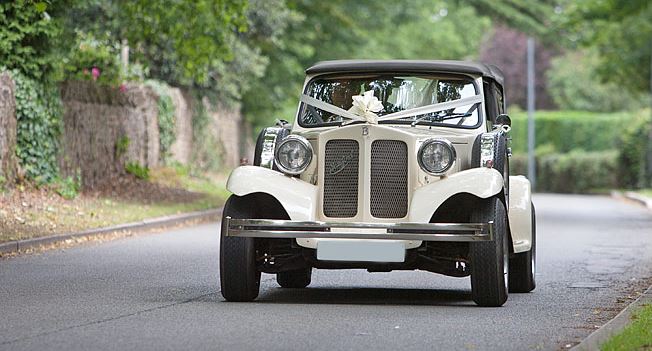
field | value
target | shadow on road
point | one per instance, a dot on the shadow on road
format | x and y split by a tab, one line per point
364	296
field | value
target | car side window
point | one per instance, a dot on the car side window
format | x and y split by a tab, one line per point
500	100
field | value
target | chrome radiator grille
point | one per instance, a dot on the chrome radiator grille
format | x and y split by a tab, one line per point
341	167
389	179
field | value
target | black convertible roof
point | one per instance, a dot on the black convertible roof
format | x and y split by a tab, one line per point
439	66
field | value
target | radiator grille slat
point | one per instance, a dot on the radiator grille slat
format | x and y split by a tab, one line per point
341	167
389	179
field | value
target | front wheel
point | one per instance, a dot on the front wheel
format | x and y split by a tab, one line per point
490	259
239	277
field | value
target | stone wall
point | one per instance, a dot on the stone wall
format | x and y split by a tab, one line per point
8	163
233	133
107	127
182	147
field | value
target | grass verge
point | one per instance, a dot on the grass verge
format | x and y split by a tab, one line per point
645	192
636	336
29	212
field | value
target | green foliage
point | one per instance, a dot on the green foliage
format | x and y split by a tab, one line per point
26	33
121	146
527	16
574	172
140	172
93	59
574	85
620	31
166	117
38	112
69	187
181	40
634	148
571	130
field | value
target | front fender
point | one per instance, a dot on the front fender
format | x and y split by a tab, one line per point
299	198
481	182
520	213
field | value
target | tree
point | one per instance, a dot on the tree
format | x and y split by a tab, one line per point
620	31
506	48
181	42
27	34
324	30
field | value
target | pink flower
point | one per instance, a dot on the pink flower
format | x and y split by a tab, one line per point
123	88
95	72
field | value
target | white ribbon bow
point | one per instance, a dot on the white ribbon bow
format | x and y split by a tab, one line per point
365	105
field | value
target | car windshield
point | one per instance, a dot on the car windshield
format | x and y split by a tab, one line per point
405	98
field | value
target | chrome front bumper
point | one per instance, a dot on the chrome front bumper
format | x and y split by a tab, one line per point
268	228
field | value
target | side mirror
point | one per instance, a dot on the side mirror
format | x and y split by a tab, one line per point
504	119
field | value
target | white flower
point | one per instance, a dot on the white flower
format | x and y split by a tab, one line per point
365	104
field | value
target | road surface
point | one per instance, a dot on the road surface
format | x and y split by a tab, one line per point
161	292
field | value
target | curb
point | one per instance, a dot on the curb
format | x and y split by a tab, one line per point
630	195
644	200
20	245
618	323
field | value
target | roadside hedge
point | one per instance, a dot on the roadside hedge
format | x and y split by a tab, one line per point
574	172
564	131
635	172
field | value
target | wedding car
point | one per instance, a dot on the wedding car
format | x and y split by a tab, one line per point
389	165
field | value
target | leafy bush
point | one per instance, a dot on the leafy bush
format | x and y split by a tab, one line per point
93	59
39	125
574	172
137	170
634	146
69	187
166	117
571	130
26	32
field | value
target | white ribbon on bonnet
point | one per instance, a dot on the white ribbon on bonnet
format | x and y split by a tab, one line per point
366	105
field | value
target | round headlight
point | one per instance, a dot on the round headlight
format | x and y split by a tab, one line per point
293	154
436	156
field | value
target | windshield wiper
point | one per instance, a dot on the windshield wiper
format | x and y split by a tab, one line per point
444	115
441	117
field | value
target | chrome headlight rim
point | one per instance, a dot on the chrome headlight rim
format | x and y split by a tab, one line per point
302	141
444	142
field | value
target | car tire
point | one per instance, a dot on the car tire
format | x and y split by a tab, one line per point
522	266
239	277
297	279
490	259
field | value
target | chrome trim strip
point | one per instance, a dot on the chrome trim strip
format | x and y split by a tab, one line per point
269	147
268	228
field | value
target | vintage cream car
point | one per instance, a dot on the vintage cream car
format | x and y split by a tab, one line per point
390	165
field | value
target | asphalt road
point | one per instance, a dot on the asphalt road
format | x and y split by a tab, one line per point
161	291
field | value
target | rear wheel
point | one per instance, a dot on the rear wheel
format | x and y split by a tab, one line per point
298	279
490	259
522	267
240	280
